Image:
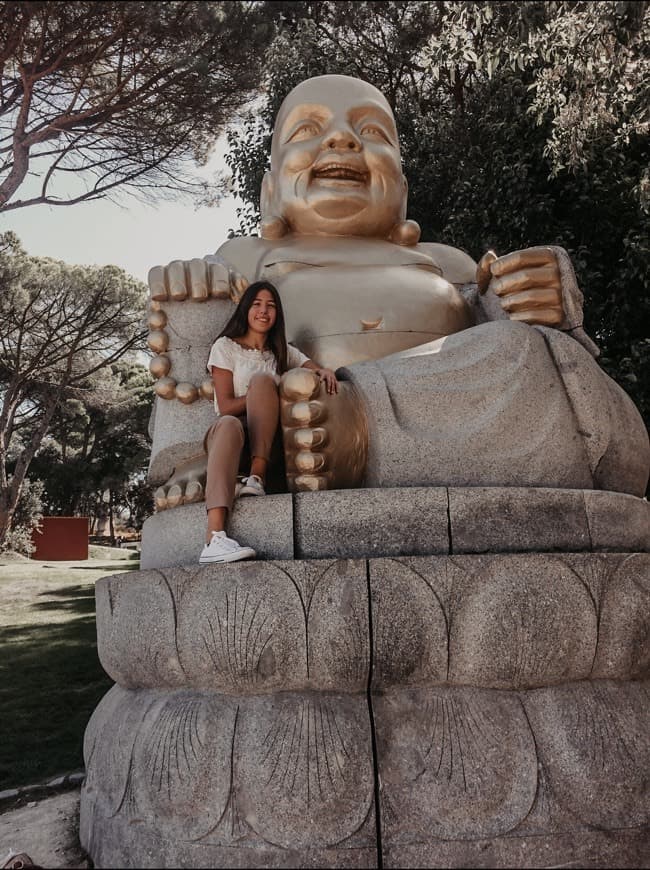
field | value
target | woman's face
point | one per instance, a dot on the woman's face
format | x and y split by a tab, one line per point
263	312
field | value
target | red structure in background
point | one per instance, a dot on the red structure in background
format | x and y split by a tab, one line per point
61	539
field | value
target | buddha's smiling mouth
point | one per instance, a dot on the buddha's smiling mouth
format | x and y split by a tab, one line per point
340	173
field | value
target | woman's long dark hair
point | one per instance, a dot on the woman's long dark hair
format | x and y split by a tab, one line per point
276	339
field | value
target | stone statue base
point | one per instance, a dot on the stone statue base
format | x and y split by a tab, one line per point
337	710
409	521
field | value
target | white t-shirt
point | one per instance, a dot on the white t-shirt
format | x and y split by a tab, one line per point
244	362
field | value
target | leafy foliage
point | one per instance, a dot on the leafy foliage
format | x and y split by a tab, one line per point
26	518
97	96
93	460
60	327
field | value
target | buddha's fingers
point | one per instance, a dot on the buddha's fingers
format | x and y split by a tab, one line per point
536	297
239	284
309	483
160	498
325	435
308	462
186	485
525	259
542	316
299	385
176	280
174	496
307	439
193	492
303	414
157	284
483	271
524	279
198	279
218	279
302	409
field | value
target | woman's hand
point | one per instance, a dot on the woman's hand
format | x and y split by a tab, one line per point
329	379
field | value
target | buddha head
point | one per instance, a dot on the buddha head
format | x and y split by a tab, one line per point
335	165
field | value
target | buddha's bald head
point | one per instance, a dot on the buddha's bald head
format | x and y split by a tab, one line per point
335	162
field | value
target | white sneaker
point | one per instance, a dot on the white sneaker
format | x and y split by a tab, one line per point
223	549
252	486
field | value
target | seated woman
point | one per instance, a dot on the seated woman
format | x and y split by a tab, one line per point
246	362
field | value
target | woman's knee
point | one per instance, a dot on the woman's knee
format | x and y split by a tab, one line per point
224	426
230	424
263	381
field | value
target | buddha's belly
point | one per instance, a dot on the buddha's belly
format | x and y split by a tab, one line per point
341	315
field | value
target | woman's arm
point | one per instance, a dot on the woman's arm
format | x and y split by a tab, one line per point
225	393
326	375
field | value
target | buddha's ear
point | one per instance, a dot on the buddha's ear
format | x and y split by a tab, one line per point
272	226
406	233
266	195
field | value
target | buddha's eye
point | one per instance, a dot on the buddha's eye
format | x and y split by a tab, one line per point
306	130
372	131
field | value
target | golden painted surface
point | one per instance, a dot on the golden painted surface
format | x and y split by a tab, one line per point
325	436
356	282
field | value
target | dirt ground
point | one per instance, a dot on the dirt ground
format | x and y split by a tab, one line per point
47	830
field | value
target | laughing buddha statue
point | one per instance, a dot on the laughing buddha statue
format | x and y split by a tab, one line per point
451	373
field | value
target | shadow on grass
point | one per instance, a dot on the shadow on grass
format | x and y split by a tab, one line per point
122	565
78	598
50	683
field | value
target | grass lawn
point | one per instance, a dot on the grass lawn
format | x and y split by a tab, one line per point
50	677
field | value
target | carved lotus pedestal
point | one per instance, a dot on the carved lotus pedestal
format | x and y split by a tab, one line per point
484	709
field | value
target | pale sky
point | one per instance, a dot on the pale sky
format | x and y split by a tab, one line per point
132	235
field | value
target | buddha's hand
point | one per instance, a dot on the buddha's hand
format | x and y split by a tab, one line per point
197	280
528	284
325	433
186	484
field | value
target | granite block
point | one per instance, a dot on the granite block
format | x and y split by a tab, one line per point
508	706
455	763
298	787
242	628
520	622
623	638
366	523
176	537
410	623
592	740
587	849
501	622
517	519
617	521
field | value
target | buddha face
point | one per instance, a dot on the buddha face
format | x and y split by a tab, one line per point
335	161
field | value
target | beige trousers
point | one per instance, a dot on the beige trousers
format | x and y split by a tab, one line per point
225	440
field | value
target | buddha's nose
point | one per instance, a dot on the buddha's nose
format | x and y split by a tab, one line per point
343	138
